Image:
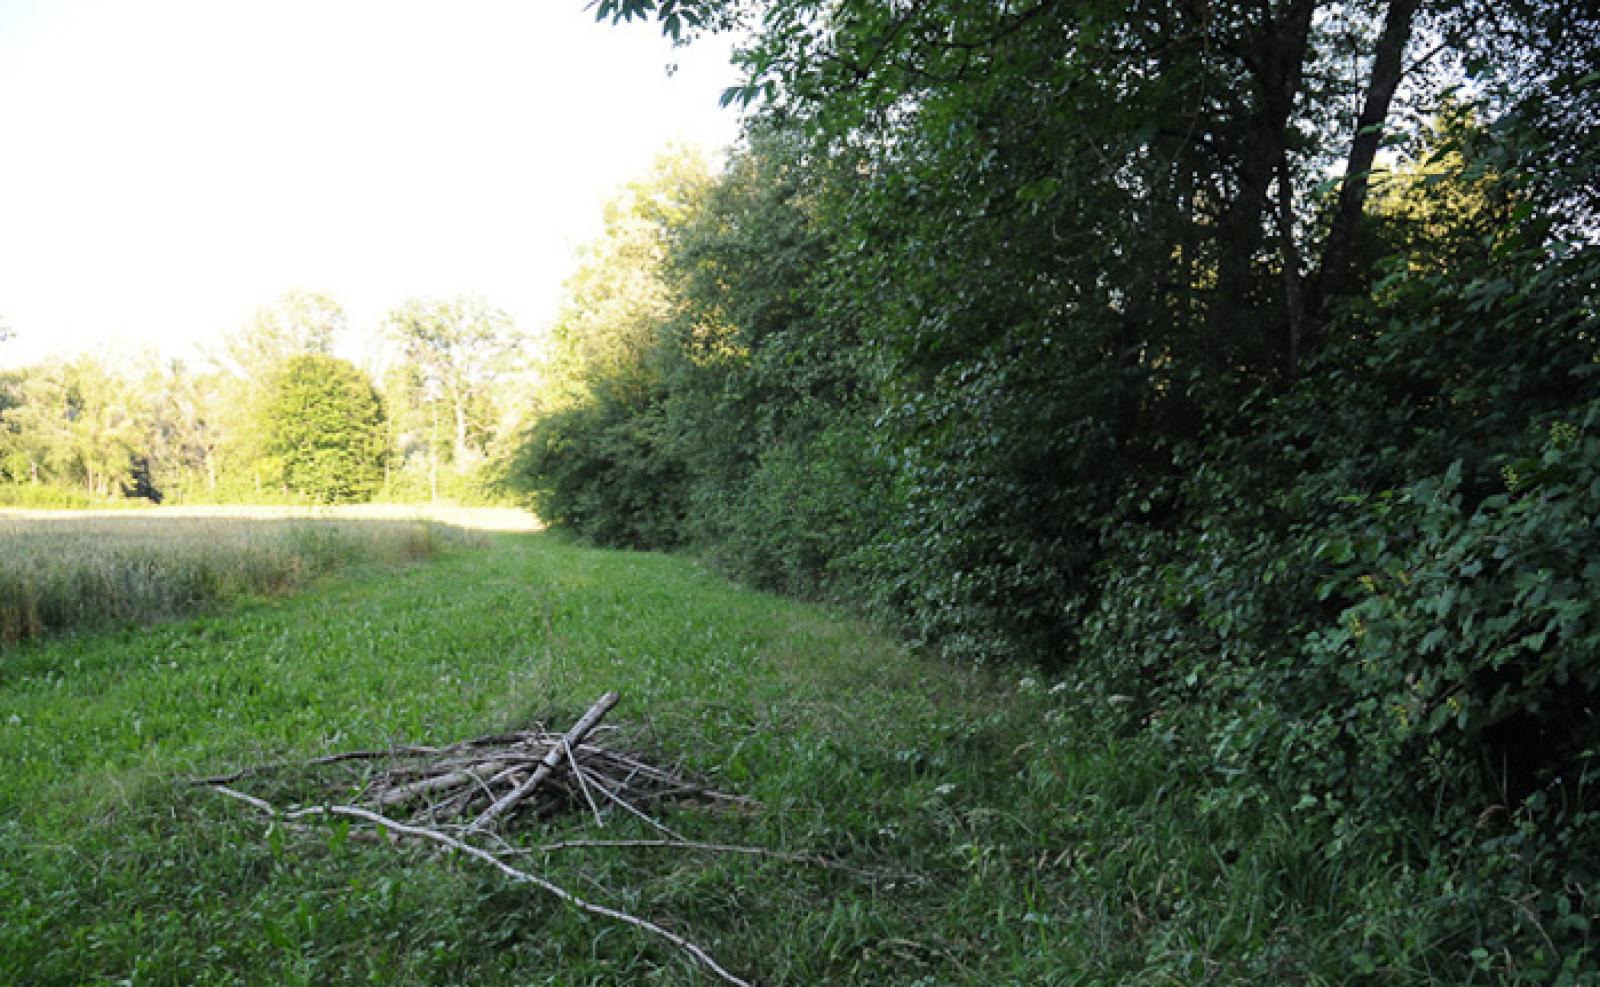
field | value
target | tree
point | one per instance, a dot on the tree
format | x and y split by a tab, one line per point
323	425
36	424
77	423
1300	469
600	456
12	466
456	346
188	431
299	322
618	299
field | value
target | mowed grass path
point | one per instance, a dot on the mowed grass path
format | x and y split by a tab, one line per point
1030	851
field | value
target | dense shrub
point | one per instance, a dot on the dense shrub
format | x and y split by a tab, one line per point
605	472
989	337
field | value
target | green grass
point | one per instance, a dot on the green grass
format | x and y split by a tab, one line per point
1037	848
74	570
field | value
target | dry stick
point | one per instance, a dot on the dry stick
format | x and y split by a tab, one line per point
583	785
234	793
458	846
510	772
462	776
573	736
361	755
653	772
613	796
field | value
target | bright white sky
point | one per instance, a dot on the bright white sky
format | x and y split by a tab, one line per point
168	166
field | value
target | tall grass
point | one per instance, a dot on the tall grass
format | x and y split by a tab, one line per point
59	572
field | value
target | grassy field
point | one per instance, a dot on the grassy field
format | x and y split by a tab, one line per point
1025	846
69	569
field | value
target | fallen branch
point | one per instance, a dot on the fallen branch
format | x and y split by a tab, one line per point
573	738
577	772
451	843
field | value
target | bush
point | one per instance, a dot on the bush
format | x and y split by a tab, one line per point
44	496
603	469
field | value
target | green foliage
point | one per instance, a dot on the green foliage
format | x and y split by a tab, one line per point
452	350
299	323
48	496
75	423
1035	330
602	468
599	458
324	431
457	395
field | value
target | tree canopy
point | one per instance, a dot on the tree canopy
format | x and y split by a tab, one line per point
1235	361
324	430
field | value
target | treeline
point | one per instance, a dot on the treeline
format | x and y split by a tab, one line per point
273	416
1039	330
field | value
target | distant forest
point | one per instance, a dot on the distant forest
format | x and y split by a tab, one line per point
1237	362
274	417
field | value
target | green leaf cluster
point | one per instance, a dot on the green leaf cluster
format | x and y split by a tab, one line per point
324	431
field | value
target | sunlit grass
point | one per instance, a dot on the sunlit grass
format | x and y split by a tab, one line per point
65	570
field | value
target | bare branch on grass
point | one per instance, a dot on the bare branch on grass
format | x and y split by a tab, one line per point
522	876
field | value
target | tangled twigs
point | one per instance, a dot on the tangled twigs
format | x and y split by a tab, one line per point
516	874
548	763
477	788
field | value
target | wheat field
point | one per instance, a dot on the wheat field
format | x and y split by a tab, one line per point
66	569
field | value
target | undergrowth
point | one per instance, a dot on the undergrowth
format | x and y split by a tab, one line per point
1019	835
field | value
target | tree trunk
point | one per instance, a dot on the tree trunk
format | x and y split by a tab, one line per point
1278	66
1289	257
463	451
1337	274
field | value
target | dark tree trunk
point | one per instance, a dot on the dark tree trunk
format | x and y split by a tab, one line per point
1276	59
1338	275
1289	257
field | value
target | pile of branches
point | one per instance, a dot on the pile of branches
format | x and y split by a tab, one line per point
487	784
467	796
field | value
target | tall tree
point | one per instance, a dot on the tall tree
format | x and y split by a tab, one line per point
600	456
1337	273
297	323
79	424
456	346
188	429
36	424
324	430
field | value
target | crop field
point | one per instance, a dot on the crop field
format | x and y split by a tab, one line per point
64	569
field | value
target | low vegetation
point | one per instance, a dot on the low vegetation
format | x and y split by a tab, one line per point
69	570
1006	835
